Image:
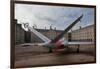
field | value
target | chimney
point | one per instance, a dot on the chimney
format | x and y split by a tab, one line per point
55	28
33	27
80	27
45	28
50	27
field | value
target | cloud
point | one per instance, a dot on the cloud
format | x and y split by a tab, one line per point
59	17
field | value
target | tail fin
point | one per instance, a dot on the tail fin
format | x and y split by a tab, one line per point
67	29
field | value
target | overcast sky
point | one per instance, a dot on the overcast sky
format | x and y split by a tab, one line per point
60	17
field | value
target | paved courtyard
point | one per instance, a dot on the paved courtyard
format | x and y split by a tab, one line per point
39	56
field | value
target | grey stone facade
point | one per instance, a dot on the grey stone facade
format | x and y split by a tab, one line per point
19	33
21	36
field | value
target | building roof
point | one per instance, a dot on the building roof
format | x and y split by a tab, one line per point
46	30
83	28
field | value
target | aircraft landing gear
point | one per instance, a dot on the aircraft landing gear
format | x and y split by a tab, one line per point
78	46
50	50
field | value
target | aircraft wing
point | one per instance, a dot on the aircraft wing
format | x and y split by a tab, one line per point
67	29
80	43
33	44
41	36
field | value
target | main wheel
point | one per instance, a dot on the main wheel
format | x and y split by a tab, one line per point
50	50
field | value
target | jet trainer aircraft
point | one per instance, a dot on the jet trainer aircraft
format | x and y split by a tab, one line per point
59	42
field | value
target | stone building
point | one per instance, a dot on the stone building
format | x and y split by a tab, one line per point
82	34
19	33
49	33
22	36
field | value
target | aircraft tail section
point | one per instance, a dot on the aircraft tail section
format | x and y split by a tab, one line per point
67	29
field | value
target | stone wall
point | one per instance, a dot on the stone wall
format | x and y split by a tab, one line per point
21	36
